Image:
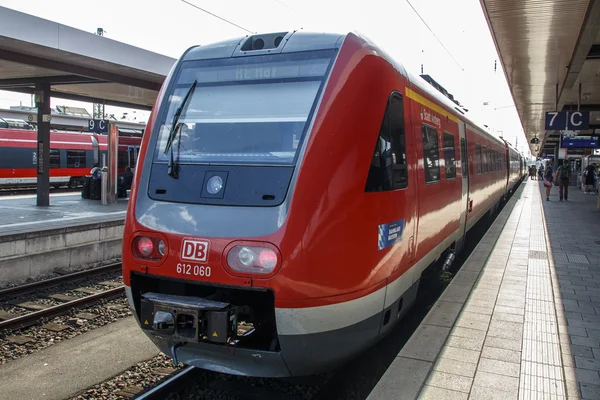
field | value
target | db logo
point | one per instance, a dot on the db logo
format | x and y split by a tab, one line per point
194	250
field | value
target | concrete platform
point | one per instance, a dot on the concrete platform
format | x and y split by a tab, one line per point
19	214
66	368
71	232
521	319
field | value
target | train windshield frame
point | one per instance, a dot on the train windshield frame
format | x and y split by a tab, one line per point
244	110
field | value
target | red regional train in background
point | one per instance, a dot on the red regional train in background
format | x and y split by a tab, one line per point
72	156
292	188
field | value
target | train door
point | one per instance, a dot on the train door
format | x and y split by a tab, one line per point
464	203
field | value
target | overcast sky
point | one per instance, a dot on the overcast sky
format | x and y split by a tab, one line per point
169	27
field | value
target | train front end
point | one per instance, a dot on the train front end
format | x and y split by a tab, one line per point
204	236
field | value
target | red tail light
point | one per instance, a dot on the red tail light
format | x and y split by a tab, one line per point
148	248
145	246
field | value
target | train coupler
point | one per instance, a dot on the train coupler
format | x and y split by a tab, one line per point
188	319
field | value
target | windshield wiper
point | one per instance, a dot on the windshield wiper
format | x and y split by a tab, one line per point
173	169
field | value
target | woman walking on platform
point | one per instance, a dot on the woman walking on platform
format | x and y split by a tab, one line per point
548	178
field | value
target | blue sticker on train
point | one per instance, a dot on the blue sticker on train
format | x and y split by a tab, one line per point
390	234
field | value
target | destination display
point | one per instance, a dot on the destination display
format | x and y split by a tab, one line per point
588	141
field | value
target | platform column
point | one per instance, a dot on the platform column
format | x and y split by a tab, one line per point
113	162
42	100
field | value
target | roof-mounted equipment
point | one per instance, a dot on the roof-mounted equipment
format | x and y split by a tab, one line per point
263	42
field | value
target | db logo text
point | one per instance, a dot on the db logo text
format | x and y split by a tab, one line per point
194	250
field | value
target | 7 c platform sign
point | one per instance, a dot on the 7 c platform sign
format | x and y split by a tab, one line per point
567	120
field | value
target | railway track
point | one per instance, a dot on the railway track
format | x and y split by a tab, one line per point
67	278
172	384
40	312
176	386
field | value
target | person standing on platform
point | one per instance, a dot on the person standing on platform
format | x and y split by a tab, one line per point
563	175
547	179
590	179
541	171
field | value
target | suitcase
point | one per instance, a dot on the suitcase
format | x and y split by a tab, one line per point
85	192
95	189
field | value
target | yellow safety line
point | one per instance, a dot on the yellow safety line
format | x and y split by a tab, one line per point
422	100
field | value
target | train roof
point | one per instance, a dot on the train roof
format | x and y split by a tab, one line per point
299	40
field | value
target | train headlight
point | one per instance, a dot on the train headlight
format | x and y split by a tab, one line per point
214	184
252	259
161	247
246	256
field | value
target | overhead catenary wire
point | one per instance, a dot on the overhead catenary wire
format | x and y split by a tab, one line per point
435	36
216	16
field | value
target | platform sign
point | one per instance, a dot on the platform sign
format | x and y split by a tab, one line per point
98	125
567	120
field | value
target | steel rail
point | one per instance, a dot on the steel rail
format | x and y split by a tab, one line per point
23	321
31	287
172	384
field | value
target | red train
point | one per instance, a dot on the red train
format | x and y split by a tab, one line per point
292	189
72	156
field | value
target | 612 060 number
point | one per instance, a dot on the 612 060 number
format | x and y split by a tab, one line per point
197	270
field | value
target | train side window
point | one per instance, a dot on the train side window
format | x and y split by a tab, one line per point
449	155
479	158
431	154
497	159
484	167
463	158
389	169
76	159
54	158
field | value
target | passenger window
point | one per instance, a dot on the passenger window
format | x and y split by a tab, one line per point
389	169
449	155
463	158
75	158
479	159
54	158
431	155
485	160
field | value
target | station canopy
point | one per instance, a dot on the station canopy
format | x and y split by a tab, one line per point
548	48
79	65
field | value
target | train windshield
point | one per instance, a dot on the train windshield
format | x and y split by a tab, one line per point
247	110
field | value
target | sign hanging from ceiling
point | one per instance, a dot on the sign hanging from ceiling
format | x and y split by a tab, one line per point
567	120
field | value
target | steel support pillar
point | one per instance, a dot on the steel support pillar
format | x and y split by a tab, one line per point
42	102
